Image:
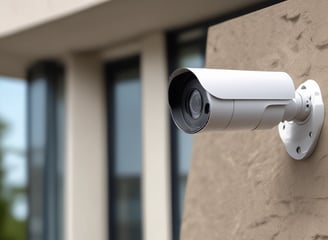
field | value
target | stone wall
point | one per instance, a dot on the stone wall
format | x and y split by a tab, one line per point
243	184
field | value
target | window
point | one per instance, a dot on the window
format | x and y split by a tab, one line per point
45	144
186	49
13	161
125	158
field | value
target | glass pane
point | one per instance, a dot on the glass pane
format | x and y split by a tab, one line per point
184	146
191	56
13	161
37	95
126	162
127	124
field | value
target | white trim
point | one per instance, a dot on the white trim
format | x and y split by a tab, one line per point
156	189
85	199
86	183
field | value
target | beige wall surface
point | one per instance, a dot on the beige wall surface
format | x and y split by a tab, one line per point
242	184
155	131
85	198
17	14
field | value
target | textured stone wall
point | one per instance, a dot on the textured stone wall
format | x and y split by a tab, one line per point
242	184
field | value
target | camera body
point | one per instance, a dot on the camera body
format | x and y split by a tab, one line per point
203	99
214	99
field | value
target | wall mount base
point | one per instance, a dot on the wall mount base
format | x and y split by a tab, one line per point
300	137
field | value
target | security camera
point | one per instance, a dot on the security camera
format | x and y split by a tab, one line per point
203	99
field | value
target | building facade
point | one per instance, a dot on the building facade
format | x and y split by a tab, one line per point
103	159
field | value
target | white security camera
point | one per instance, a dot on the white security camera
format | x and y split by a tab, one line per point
203	99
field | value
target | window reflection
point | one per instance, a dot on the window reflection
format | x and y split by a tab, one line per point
13	163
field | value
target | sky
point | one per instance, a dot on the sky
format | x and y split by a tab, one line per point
13	113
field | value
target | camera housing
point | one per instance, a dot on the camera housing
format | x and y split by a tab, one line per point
203	99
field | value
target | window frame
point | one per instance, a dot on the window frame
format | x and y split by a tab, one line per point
118	65
52	74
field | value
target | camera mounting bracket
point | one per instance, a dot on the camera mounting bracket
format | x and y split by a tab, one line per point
301	137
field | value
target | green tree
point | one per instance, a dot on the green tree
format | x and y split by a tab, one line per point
10	228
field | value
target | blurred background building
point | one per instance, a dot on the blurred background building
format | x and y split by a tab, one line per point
87	149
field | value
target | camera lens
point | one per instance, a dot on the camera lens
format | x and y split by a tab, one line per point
195	104
189	103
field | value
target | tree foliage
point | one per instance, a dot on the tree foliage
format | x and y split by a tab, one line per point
10	227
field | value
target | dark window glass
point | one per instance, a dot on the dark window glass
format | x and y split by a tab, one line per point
45	144
13	160
186	49
124	117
